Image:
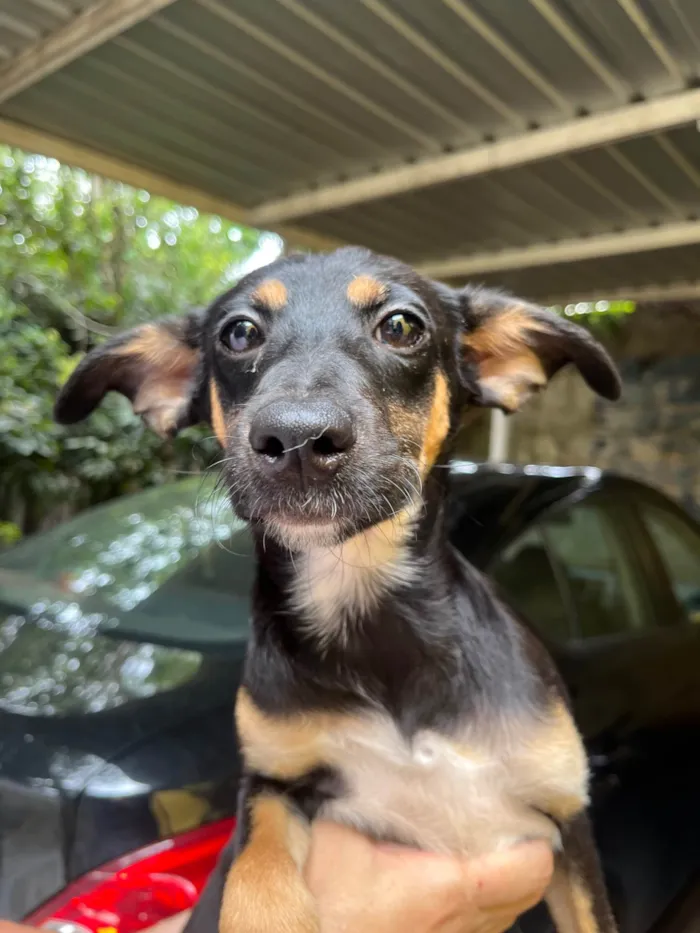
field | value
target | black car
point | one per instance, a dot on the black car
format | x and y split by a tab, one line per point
122	638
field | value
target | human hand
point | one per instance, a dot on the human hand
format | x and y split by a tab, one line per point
365	887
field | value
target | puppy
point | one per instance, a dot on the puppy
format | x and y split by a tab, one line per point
386	686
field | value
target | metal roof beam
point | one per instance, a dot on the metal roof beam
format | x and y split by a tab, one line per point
91	160
576	249
80	35
522	149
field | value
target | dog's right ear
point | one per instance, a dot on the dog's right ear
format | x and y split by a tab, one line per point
158	367
508	349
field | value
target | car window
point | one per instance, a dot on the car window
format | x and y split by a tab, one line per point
529	582
596	566
679	546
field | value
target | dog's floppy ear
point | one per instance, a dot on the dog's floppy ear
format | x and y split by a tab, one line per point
157	366
510	349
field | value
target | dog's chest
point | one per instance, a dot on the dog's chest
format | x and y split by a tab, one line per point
475	790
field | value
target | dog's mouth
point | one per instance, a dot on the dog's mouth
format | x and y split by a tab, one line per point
315	521
322	518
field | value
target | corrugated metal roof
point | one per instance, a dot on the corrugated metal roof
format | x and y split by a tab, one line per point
254	102
642	181
23	24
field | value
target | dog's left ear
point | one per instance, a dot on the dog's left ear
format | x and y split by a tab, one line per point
509	349
158	367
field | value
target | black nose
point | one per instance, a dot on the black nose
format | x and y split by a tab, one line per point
310	437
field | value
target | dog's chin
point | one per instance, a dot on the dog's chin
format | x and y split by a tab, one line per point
304	535
308	525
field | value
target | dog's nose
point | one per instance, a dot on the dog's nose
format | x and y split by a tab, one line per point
312	437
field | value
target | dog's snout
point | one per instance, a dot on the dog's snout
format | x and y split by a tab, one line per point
310	436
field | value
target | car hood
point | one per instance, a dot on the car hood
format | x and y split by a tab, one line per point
77	708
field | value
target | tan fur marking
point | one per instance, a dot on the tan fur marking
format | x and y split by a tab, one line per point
508	368
571	904
271	295
157	347
218	422
438	424
407	426
265	891
556	749
285	747
513	380
583	907
503	334
168	367
366	292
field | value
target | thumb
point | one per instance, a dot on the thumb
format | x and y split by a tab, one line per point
514	876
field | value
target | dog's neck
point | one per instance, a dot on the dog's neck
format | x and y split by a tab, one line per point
392	618
331	594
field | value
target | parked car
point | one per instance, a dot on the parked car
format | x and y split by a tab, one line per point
122	637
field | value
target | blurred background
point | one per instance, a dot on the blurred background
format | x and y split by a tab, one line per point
82	258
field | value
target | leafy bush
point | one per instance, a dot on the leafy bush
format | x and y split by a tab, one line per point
80	258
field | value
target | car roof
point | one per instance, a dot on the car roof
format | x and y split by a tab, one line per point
485	487
469	476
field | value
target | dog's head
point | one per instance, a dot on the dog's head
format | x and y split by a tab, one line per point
334	383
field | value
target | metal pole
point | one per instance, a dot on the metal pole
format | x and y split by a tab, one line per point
499	436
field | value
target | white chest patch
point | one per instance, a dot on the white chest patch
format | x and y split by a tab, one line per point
449	795
338	586
481	787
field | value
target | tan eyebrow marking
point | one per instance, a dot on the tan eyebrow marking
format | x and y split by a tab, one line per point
270	295
364	291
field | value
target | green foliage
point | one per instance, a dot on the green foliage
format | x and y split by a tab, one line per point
81	257
602	316
9	533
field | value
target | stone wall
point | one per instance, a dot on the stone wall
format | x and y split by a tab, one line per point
652	433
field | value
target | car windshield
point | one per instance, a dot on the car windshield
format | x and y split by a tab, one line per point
165	574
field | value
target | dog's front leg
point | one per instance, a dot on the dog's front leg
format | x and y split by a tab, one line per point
577	899
264	890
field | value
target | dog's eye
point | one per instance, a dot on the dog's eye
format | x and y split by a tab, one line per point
401	330
241	335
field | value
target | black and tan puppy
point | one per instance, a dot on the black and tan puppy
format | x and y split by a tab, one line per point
386	686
